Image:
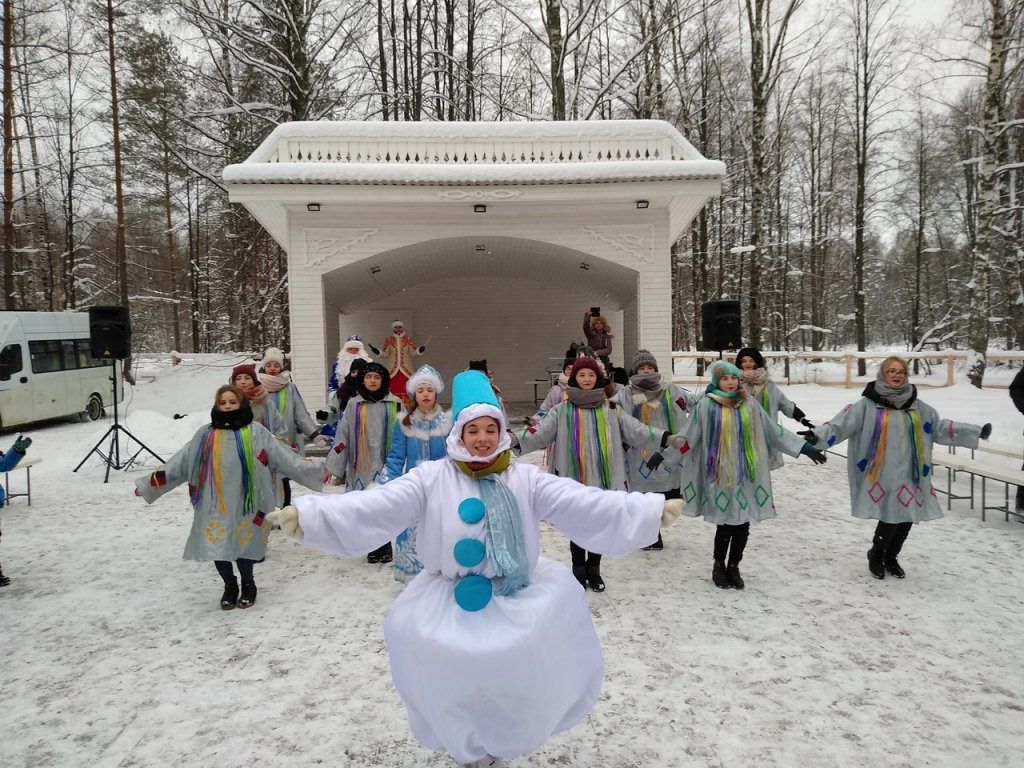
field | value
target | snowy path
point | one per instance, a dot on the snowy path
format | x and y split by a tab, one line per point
115	653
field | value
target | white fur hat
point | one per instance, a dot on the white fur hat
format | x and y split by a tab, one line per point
397	324
273	354
425	374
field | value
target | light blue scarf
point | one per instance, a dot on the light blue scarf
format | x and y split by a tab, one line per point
506	547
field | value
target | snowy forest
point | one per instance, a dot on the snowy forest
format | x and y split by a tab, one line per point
875	154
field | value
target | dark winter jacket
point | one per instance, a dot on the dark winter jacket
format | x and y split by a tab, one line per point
601	341
1017	390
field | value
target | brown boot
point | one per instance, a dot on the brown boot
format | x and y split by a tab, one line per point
718	575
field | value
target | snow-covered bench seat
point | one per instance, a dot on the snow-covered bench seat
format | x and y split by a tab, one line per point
27	463
953	463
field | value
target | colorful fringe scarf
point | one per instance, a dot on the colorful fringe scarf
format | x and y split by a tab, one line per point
576	423
205	473
362	433
723	455
645	412
281	400
872	463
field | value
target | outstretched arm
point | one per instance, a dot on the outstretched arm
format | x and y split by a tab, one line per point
173	473
542	434
949	432
288	463
841	427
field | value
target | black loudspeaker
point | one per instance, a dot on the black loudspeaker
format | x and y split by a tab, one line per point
720	325
110	332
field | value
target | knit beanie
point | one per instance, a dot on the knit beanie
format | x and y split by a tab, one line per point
273	354
721	368
643	357
751	352
248	368
591	365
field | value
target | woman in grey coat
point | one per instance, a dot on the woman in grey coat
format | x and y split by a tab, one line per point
889	459
228	466
726	475
588	432
757	384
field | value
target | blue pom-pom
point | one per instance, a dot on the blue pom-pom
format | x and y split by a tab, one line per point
831	441
471	510
862	464
468	552
472	593
927	427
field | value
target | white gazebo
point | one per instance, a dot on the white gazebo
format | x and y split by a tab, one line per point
489	240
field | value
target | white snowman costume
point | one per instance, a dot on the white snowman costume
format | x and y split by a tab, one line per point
484	673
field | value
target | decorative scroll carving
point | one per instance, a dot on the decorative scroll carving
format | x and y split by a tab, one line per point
324	244
478	194
637	242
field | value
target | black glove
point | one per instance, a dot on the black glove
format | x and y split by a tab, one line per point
807	423
655	461
421	350
798	415
373	349
809	436
986	431
818	457
322	415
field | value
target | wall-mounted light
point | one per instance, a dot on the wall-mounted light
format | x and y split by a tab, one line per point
374	270
642	204
313	207
479	208
480	248
584	265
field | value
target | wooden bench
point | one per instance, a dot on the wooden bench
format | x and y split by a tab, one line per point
26	464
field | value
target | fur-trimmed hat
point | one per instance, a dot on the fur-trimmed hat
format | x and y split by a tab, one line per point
273	354
397	324
385	383
753	353
248	368
644	357
425	374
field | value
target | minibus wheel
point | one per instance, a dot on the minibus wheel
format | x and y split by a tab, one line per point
94	408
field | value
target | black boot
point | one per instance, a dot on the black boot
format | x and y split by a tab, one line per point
230	596
386	554
373	557
719	576
4	580
892	565
875	563
659	544
594	573
732	573
248	594
579	563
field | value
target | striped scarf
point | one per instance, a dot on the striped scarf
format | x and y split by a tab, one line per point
727	461
361	430
581	423
205	473
874	461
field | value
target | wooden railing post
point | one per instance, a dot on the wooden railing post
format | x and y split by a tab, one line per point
849	370
949	369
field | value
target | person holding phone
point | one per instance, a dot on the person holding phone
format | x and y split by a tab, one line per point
599	335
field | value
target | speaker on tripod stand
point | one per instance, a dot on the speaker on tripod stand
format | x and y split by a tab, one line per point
110	338
720	325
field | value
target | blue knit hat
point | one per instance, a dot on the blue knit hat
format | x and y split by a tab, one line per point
473	397
721	368
471	388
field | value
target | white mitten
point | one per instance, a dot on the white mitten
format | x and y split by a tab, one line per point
335	480
677	441
673	509
321	441
287	519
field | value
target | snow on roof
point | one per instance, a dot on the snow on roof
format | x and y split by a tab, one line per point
478	153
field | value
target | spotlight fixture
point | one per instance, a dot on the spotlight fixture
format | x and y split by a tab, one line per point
584	265
642	204
313	207
480	248
479	208
374	270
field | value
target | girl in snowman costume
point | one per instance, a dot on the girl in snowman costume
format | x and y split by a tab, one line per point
363	439
229	467
726	473
661	404
492	646
284	397
588	432
755	381
889	459
420	437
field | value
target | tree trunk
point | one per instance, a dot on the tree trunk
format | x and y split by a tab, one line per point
172	267
9	245
556	55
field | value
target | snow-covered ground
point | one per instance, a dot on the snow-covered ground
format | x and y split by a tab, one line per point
115	652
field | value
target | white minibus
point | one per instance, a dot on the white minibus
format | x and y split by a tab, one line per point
47	370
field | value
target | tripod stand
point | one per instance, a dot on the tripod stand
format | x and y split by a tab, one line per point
112	458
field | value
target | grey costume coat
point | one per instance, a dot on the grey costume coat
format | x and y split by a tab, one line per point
741	500
666	409
294	417
592	465
220	528
363	440
892	489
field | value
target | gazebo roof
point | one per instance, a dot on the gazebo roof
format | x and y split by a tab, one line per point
566	156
